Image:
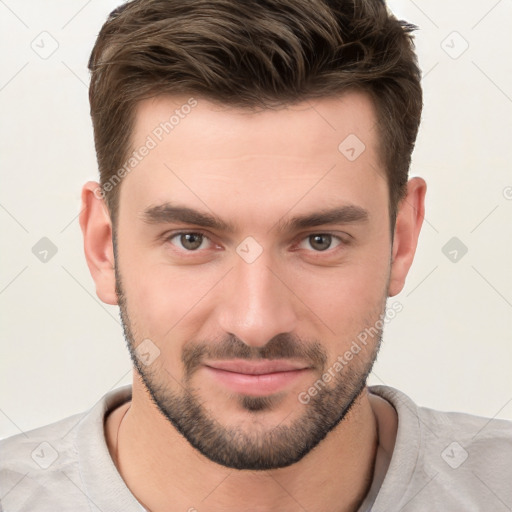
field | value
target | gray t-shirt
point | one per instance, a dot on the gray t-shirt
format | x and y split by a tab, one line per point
441	461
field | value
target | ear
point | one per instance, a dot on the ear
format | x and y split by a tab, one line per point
99	250
409	219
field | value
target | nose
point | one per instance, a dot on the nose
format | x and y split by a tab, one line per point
256	302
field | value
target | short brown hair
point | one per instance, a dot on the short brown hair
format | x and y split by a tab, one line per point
255	53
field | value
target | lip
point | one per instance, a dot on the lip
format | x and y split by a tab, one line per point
256	378
256	367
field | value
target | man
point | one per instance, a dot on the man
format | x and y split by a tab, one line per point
253	215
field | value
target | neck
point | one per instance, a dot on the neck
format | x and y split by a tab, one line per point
163	470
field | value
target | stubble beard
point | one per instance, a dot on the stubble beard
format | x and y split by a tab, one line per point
258	448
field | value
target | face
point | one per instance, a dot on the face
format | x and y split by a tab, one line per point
252	249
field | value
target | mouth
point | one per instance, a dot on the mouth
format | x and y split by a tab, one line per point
256	378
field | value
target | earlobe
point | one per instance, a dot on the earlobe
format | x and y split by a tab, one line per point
98	247
407	230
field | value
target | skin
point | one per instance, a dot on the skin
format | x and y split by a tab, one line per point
252	169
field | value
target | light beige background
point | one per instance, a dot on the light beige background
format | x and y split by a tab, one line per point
451	346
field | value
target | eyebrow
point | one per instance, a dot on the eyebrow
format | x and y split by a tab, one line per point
169	213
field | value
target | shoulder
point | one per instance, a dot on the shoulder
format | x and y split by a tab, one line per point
451	460
468	429
37	463
43	468
15	447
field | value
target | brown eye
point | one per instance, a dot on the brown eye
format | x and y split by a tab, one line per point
320	242
191	241
188	241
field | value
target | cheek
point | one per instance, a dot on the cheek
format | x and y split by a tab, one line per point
345	292
344	301
164	299
168	307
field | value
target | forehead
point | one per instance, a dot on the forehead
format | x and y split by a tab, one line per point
312	122
197	149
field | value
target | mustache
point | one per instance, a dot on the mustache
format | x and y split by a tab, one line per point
281	346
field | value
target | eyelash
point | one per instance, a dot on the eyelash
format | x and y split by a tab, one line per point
341	241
